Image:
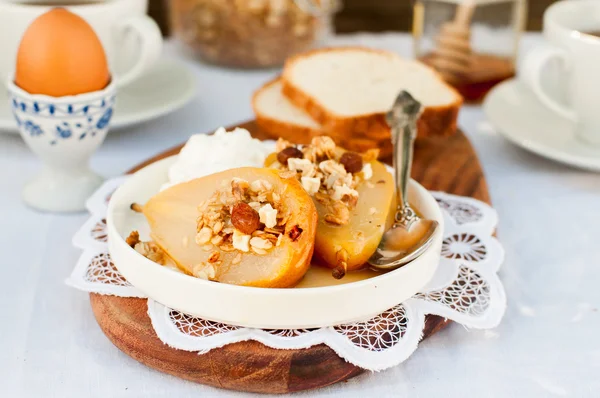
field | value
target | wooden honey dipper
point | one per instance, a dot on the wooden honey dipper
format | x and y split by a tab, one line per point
452	56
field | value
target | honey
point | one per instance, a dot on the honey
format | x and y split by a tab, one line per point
318	276
484	72
472	44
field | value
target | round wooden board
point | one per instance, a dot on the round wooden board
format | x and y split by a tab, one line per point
446	164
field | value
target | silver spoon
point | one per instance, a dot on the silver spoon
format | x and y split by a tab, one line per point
410	235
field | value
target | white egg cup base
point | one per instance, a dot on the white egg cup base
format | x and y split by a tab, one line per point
63	132
58	190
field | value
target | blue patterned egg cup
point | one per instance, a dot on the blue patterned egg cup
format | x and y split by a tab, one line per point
63	132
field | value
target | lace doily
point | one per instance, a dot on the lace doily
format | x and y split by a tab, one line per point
465	289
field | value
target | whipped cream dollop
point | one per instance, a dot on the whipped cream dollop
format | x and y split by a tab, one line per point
205	154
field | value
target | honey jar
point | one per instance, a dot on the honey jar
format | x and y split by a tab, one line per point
472	43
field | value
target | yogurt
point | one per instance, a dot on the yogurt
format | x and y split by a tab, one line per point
205	154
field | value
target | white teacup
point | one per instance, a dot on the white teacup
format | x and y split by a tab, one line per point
131	39
567	25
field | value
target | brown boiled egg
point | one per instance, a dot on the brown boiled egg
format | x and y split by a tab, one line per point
60	54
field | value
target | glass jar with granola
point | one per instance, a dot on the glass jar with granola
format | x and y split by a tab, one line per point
251	33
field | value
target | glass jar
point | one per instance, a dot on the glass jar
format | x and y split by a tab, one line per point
251	33
472	43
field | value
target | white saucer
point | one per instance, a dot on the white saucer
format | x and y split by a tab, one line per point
251	306
518	116
166	87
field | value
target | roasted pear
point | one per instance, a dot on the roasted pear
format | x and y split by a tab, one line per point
245	226
352	193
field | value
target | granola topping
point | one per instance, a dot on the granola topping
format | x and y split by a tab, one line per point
241	216
330	177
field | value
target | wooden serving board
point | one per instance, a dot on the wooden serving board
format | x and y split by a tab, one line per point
449	164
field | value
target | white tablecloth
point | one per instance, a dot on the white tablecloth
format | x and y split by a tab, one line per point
547	344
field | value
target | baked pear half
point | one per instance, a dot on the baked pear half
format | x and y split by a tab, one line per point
353	195
245	226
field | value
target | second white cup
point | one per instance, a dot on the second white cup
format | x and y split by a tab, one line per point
572	32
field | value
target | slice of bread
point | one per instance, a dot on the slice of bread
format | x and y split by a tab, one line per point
349	90
278	117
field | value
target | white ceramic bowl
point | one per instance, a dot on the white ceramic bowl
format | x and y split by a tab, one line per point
259	307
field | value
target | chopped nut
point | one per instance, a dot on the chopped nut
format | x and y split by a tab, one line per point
324	146
254	205
203	236
216	240
204	271
268	215
239	188
289	153
352	162
245	218
340	191
367	171
295	233
304	166
338	214
227	247
133	238
151	251
218	227
272	238
241	241
260	186
332	167
274	230
260	243
311	184
214	257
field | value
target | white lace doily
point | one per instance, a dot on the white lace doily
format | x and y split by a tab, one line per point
465	289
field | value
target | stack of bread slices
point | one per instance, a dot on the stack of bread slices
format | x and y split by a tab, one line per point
345	93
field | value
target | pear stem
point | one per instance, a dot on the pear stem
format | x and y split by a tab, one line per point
342	264
137	207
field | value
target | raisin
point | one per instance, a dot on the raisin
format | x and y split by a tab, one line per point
245	218
352	162
289	152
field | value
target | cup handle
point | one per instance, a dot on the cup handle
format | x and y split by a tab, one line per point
531	71
149	37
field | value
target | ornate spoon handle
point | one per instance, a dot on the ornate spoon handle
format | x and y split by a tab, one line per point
402	119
